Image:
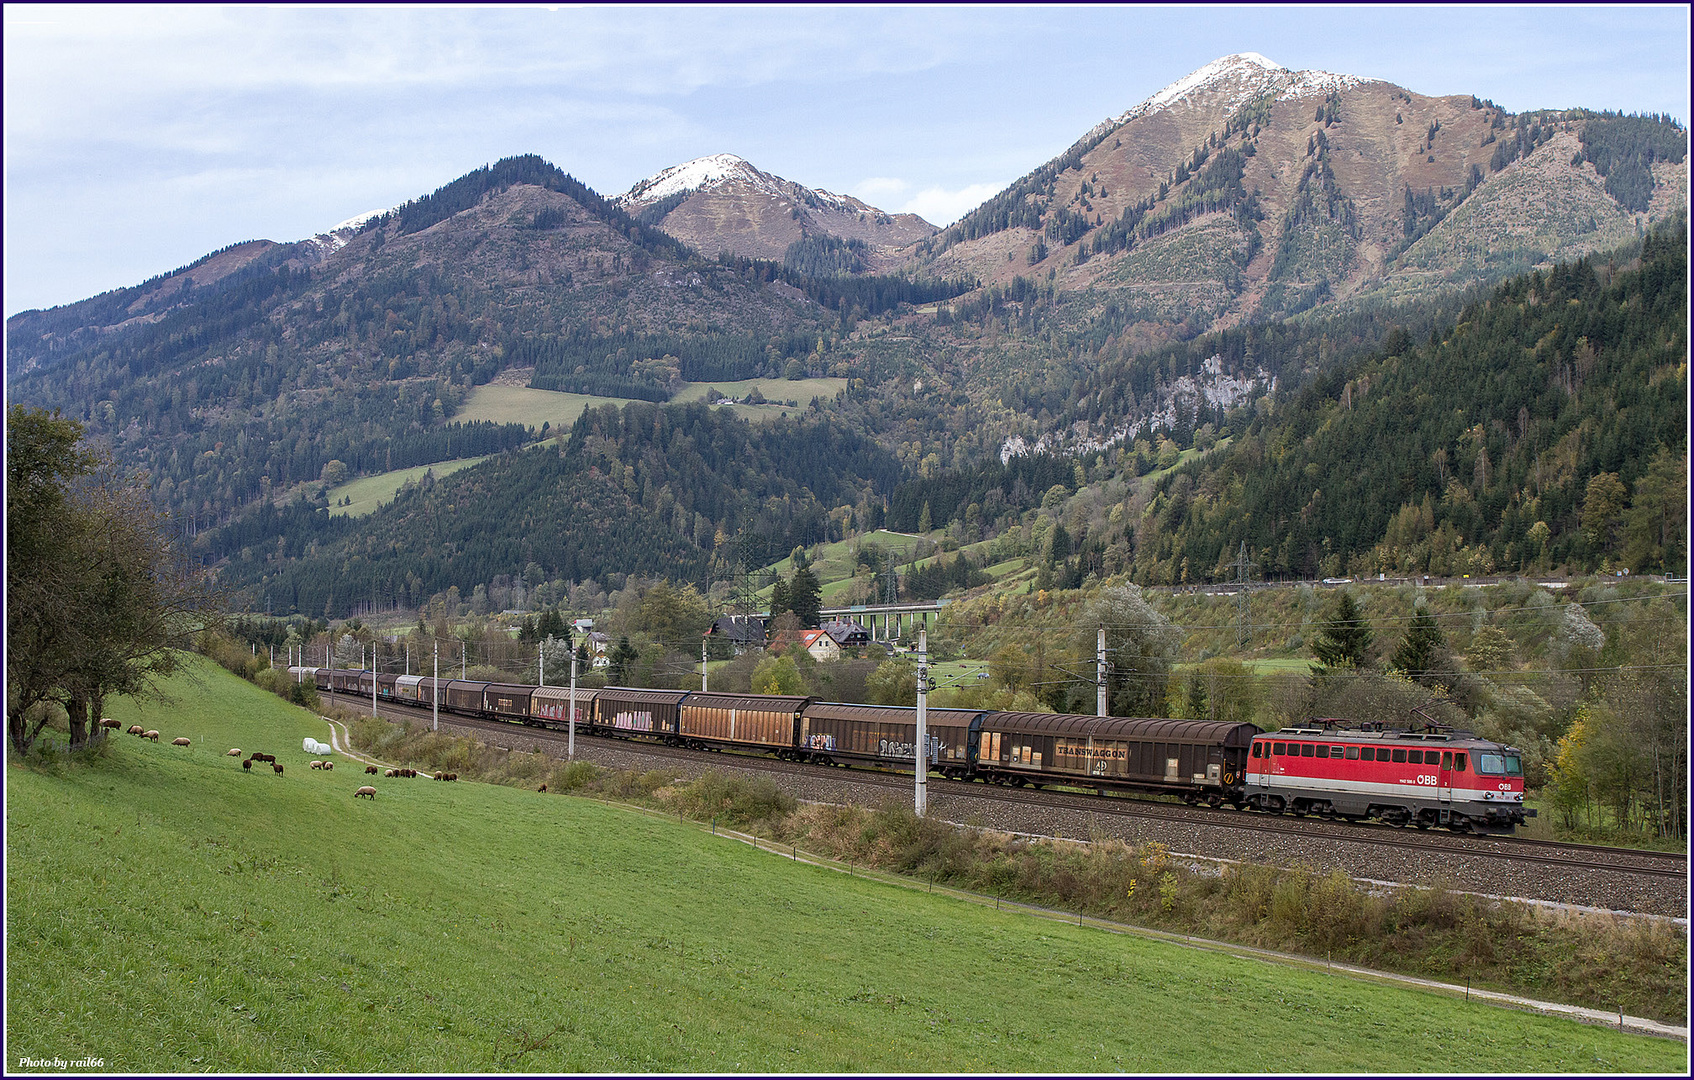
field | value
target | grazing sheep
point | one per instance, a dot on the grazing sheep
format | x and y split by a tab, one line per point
542	789
233	753
277	766
317	764
367	792
154	735
372	769
108	722
247	765
439	776
389	772
267	758
452	776
328	765
134	729
180	742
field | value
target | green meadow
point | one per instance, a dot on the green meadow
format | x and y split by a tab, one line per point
370	493
532	408
169	912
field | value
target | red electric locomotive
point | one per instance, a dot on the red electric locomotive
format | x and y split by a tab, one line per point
1421	778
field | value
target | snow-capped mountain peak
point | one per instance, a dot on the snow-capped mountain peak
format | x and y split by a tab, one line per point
696	175
1240	77
335	237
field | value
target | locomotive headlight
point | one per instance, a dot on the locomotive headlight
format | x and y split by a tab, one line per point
1487	794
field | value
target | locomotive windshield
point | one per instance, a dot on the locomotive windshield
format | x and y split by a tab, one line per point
1499	764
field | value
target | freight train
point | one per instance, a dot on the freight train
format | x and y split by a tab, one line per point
1424	778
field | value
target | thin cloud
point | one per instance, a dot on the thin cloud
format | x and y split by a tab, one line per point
939	206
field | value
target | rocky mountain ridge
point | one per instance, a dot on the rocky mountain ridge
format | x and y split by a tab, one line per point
725	203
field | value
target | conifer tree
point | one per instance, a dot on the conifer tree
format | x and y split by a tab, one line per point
1345	638
1417	653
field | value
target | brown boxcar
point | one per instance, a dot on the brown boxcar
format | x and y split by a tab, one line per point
832	732
754	721
464	696
385	686
1186	757
550	705
346	680
428	689
623	710
509	701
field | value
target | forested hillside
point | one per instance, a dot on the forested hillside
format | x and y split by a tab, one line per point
1547	426
676	491
237	380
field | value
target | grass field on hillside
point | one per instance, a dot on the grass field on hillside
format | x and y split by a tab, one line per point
169	912
371	493
532	408
799	391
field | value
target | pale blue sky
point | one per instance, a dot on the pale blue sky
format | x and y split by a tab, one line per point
138	139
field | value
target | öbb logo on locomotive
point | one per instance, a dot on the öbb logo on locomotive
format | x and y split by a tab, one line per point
1329	768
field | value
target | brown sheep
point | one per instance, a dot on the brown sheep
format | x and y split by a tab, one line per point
233	753
247	765
277	765
267	758
108	722
390	772
542	789
452	776
134	729
154	735
317	764
367	792
180	742
371	769
328	765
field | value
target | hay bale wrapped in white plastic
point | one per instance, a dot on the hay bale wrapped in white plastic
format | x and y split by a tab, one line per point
313	746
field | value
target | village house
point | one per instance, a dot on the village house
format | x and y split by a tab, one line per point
599	650
744	632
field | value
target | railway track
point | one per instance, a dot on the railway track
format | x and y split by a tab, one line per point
1551	854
